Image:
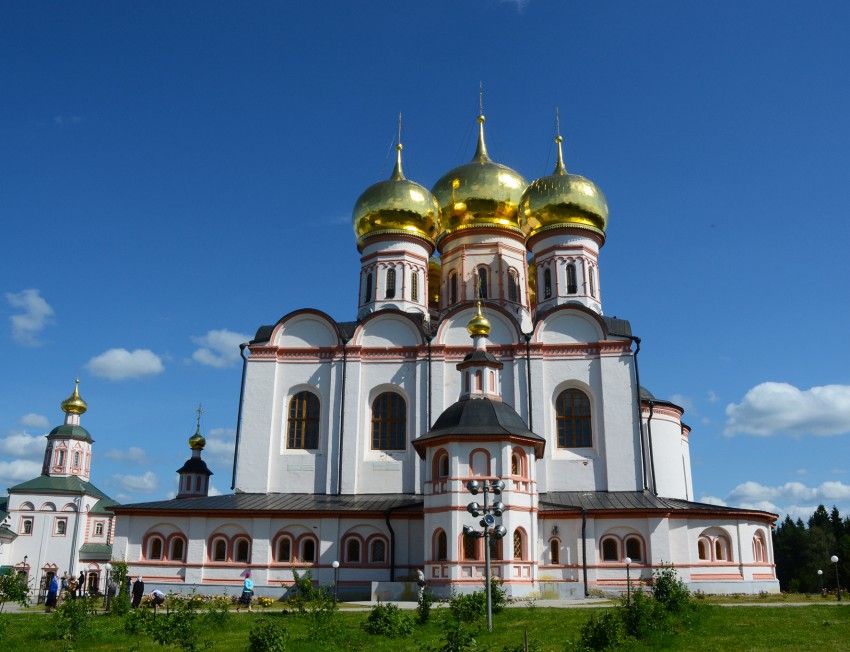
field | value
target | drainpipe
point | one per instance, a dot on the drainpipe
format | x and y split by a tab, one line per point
651	455
242	348
528	377
341	419
392	539
429	383
584	550
636	340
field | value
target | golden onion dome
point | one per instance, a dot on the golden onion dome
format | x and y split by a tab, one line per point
480	193
196	441
563	199
434	276
532	284
479	324
398	206
74	404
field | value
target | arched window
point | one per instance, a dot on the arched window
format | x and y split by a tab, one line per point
390	293
26	526
634	548
518	465
178	548
98	529
470	549
610	549
76	459
442	465
243	551
591	275
572	286
759	548
572	411
308	550
197	483
377	551
414	286
155	548
60	458
482	283
389	422
519	544
367	292
284	550
495	549
704	549
220	550
479	463
352	551
303	421
513	285
547	283
721	549
554	552
441	546
452	288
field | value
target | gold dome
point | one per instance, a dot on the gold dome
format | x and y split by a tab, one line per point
74	404
563	199
480	193
196	441
434	276
397	205
479	324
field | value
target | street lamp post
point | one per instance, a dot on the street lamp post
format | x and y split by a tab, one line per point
106	597
820	579
335	565
490	529
628	581
834	560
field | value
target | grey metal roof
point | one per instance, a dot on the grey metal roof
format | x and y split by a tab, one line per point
619	327
195	465
594	501
276	502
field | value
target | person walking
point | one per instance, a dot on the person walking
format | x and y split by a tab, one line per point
81	584
138	592
52	590
247	593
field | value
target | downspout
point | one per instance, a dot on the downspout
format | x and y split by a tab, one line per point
528	377
649	437
636	340
392	539
242	349
429	383
341	419
584	550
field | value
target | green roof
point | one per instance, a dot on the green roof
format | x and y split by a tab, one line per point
70	432
95	551
102	506
68	484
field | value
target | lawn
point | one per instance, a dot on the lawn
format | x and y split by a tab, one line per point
816	628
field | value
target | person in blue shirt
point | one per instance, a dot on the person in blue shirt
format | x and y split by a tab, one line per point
52	590
247	593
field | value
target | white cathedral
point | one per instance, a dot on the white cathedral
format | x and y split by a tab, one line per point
480	352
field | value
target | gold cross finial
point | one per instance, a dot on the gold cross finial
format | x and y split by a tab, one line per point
481	98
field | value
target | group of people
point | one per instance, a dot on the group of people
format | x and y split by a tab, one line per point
138	591
66	587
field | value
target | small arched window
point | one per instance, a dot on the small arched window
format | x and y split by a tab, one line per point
479	463
513	285
634	549
76	459
220	550
721	549
610	549
390	289
495	549
303	421
704	549
554	552
441	552
155	548
482	283
308	550
519	544
759	548
284	550
389	422
414	286
572	410
470	548
178	548
243	551
443	466
352	551
572	286
367	292
547	283
452	288
377	551
98	529
591	276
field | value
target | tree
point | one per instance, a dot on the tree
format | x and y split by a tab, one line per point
14	587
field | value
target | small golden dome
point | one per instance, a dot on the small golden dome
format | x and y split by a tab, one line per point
479	324
563	199
434	276
397	205
74	404
196	441
480	193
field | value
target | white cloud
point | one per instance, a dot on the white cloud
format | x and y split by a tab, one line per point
213	491
132	454
121	364
779	408
36	314
18	471
713	397
33	420
712	500
21	444
145	483
219	348
219	448
684	402
792	498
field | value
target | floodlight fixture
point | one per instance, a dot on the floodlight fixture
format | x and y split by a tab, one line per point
474	486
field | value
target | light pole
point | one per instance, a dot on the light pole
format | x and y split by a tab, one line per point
628	581
106	596
834	560
335	565
490	529
820	578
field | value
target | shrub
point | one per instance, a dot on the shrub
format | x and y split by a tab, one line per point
602	633
267	636
388	620
669	591
469	607
643	615
498	595
120	604
13	588
458	637
72	618
181	626
423	606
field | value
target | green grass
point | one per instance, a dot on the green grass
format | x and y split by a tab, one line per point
815	628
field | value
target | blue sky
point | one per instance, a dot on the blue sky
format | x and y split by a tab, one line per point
173	175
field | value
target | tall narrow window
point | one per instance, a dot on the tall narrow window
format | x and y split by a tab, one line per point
482	282
591	275
513	285
703	547
452	288
495	548
284	550
60	458
308	550
76	459
377	551
518	544
156	548
555	552
220	550
572	411
389	422
634	549
367	293
470	548
610	549
414	286
242	550
442	552
547	283
352	551
572	286
177	548
98	529
390	284
303	421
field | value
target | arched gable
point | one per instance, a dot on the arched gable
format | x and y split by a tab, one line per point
569	326
307	328
388	329
504	329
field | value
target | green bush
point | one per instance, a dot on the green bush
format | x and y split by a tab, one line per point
669	591
182	626
643	616
14	588
423	606
267	636
603	633
388	620
72	618
468	607
120	603
458	637
498	595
